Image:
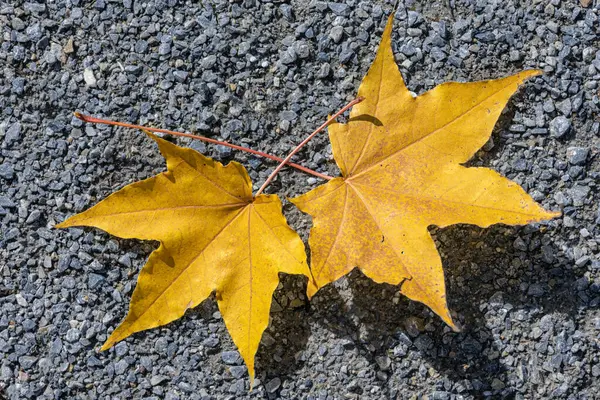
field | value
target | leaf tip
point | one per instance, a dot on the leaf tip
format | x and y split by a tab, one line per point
67	223
61	225
447	318
294	200
554	214
546	215
251	375
151	135
455	328
116	336
311	289
107	345
536	72
530	73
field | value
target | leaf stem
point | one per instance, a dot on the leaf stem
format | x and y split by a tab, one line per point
94	120
319	129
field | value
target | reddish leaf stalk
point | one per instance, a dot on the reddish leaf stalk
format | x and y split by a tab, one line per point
94	120
319	129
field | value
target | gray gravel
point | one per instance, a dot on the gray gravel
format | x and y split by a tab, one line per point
264	74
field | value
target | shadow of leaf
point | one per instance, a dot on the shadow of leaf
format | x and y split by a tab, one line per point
368	118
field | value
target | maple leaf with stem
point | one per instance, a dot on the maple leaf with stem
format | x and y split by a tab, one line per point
214	235
400	159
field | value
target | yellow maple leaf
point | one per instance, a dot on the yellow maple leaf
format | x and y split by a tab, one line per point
400	159
214	237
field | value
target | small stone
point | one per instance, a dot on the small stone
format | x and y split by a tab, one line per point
346	55
238	371
580	262
535	290
224	151
211	342
69	47
268	340
273	385
302	49
141	46
125	261
94	280
515	55
438	54
121	367
157	379
288	115
497	384
21	300
36	8
337	350
340	9
578	194
121	349
287	12
470	346
161	345
89	78
577	155
35	32
208	62
440	395
231	357
33	217
238	387
185	387
383	362
336	33
93	362
27	362
548	106
559	126
19	53
284	125
13	134
18	85
556	361
7	171
519	244
565	107
6	202
73	335
17	24
414	32
288	56
324	71
180	76
164	48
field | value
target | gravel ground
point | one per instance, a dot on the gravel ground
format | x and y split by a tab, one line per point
264	74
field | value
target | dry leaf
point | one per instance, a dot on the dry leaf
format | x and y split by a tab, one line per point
400	159
214	237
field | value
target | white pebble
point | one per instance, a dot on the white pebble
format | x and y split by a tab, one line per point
89	78
21	300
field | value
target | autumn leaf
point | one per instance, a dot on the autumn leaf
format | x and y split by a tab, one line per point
401	159
214	236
